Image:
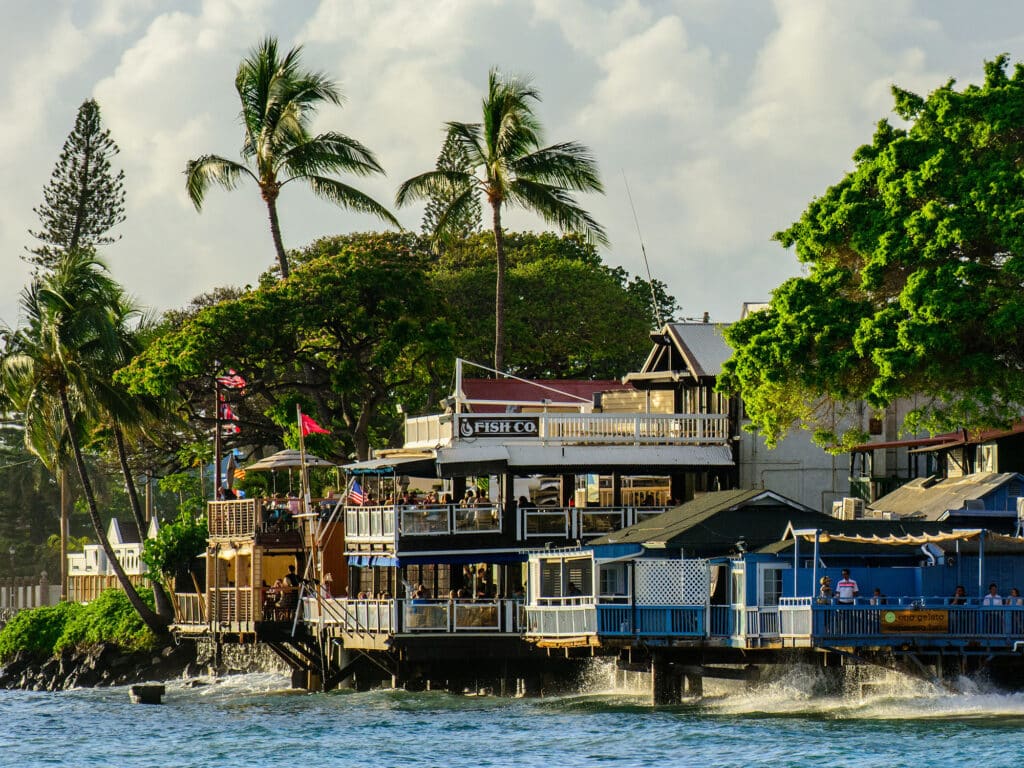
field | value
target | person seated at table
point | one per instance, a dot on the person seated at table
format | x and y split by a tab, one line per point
271	596
993	597
959	596
469	500
825	592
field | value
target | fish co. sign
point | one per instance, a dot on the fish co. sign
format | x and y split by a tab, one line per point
499	426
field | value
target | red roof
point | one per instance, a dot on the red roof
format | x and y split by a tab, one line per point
557	391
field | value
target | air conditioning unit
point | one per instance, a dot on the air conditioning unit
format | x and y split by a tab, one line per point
852	509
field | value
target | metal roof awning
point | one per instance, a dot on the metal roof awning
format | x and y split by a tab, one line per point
419	466
478	458
640	459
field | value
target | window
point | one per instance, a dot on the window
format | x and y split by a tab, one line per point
771	585
613	581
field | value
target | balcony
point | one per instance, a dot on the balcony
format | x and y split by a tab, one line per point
408	616
428	432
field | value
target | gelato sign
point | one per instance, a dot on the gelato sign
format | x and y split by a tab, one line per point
498	426
914	621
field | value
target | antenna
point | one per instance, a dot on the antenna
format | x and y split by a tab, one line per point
643	250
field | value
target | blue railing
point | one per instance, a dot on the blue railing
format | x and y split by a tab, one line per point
651	620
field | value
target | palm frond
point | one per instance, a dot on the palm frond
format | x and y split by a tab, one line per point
212	169
330	153
556	206
569	165
348	197
426	184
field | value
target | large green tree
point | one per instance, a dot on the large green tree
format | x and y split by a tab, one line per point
84	198
509	165
440	224
355	326
914	280
279	99
56	368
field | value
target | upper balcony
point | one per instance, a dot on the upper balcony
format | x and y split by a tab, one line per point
436	431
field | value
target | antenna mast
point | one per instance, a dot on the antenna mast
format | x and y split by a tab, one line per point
643	250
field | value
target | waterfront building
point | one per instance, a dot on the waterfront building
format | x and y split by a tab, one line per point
89	571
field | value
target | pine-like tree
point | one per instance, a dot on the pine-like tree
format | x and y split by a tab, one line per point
84	198
464	221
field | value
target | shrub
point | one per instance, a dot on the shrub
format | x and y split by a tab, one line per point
37	630
109	618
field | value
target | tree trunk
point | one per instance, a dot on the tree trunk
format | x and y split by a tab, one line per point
164	606
499	293
65	518
151	620
270	198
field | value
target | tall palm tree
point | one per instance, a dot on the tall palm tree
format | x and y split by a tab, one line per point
279	100
58	362
509	165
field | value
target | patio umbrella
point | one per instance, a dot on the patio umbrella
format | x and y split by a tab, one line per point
288	459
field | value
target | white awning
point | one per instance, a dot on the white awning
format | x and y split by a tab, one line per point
525	456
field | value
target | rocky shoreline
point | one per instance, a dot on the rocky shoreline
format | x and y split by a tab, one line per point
105	664
100	665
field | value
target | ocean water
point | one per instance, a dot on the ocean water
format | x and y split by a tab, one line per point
253	720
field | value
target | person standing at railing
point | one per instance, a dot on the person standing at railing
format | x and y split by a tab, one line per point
959	596
1015	598
825	591
846	589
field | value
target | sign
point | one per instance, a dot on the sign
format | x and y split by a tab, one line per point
498	426
914	621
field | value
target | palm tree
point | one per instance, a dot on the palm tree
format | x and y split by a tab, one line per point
55	371
279	100
509	165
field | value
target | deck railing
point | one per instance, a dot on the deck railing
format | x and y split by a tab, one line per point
898	619
414	616
581	522
380	523
427	432
189	608
651	620
232	519
561	620
231	607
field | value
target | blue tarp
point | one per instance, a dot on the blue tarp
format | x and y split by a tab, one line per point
368	561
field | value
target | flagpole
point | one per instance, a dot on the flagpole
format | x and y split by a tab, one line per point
216	429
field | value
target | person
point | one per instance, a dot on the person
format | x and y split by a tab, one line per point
825	590
959	596
270	597
524	503
574	591
1015	598
847	589
993	597
292	579
877	598
225	494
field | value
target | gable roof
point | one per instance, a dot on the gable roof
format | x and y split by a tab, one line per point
684	350
712	523
930	499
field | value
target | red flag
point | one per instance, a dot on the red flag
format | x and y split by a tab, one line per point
310	427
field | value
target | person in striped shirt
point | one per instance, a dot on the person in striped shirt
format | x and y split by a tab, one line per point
846	589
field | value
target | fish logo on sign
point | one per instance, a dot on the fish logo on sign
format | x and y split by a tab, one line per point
498	426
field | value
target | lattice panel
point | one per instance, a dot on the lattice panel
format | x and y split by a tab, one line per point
672	582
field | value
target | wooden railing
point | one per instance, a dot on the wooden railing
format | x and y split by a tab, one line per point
189	608
232	519
231	606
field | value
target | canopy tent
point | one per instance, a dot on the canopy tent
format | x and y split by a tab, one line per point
966	534
417	465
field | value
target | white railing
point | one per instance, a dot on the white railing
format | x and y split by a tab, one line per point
761	621
428	431
581	522
377	523
561	620
414	616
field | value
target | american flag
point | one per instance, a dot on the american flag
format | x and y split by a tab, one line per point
232	380
355	494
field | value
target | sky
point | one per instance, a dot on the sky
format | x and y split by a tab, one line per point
722	119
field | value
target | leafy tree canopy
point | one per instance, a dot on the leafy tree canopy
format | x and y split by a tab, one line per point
356	323
915	270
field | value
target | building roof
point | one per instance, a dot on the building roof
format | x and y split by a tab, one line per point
497	392
703	346
713	523
929	499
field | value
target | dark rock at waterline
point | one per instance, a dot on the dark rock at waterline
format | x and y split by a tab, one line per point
103	664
